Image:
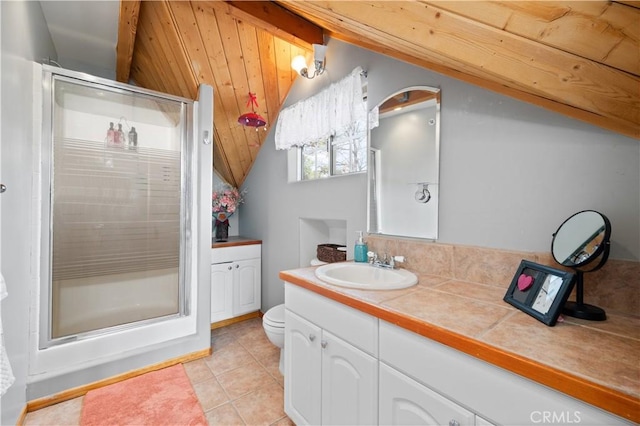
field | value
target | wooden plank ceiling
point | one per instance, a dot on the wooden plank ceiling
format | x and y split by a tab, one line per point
180	44
578	58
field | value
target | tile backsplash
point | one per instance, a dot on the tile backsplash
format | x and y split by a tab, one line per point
615	287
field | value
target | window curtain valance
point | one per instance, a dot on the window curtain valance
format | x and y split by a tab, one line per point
331	112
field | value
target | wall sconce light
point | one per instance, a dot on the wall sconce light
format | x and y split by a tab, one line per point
299	63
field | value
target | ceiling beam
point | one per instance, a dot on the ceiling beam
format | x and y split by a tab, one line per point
632	3
276	20
127	29
601	31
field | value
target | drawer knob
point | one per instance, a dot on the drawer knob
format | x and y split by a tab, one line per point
454	422
229	267
237	266
312	337
323	344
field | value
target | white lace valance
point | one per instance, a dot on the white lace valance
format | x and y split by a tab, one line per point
330	112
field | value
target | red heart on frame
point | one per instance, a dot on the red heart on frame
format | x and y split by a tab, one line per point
525	282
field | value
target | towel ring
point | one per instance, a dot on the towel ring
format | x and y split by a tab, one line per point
423	195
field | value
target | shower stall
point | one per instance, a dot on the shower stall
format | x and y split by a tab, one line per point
117	253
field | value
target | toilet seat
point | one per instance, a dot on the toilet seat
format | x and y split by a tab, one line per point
274	317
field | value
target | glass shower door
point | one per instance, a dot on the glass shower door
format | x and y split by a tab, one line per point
117	210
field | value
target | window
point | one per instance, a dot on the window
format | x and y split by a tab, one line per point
349	152
315	160
326	134
335	156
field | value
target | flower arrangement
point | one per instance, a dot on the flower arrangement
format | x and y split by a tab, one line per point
225	201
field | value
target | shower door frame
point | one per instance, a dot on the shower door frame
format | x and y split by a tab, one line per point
187	189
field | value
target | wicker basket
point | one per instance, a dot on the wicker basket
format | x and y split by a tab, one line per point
330	253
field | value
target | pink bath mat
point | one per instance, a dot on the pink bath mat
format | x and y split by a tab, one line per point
163	397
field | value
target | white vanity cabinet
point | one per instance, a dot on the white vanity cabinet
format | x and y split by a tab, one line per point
235	281
343	366
327	379
469	384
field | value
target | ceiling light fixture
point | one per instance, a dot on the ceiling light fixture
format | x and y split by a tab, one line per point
299	63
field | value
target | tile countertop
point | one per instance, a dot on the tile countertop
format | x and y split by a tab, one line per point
596	362
234	242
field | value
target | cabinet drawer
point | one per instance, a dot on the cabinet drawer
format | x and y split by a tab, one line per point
230	254
357	328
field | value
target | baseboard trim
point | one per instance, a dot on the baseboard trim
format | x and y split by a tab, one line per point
22	417
234	320
39	403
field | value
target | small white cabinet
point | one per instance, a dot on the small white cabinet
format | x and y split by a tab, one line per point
327	380
235	281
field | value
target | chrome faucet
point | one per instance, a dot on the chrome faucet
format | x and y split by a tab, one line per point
386	261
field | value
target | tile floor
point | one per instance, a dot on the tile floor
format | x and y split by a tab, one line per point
239	384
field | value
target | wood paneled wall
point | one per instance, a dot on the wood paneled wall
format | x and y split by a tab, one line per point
182	44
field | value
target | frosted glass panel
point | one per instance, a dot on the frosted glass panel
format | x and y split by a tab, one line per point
116	203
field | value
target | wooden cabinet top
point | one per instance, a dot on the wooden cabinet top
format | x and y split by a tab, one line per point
234	242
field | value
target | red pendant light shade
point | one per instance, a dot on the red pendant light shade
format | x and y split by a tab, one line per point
252	119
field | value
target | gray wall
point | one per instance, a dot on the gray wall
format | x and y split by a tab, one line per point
24	37
510	172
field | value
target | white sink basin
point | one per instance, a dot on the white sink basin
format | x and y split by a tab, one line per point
365	277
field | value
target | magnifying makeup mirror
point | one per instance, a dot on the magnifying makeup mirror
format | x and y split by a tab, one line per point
578	242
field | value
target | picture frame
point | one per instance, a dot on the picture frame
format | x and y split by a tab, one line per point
540	291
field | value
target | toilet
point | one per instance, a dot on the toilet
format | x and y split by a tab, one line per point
273	323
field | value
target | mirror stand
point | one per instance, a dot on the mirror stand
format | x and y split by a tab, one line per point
579	309
579	241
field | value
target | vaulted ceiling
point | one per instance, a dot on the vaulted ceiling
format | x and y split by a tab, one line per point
578	58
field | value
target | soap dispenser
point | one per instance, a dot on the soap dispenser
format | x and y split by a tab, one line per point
360	251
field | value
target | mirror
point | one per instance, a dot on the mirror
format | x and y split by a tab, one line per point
580	238
579	241
403	168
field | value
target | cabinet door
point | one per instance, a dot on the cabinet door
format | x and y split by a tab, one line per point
246	286
403	401
349	384
302	370
221	291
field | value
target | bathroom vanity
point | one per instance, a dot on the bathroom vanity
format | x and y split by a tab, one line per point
235	278
430	354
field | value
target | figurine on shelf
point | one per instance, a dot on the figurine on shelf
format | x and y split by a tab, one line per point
133	139
111	136
120	137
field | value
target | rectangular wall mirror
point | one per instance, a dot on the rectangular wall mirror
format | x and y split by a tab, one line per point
403	171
